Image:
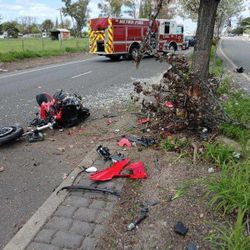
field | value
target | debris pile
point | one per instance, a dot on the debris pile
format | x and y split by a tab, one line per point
180	100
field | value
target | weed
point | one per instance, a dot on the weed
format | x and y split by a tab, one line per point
225	86
238	107
179	192
231	190
231	238
241	134
174	144
219	154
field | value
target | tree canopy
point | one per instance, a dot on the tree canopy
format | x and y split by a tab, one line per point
78	12
47	25
111	8
226	9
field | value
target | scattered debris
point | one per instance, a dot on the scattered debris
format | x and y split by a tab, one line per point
111	172
179	228
109	121
137	171
89	188
91	170
191	246
143	121
210	170
65	176
1	169
240	69
146	142
104	152
124	142
61	149
143	215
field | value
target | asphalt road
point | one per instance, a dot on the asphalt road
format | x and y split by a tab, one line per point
238	51
88	77
32	171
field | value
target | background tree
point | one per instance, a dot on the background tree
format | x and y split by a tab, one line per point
226	9
145	8
132	8
67	23
27	24
1	27
78	12
11	29
168	10
111	8
47	25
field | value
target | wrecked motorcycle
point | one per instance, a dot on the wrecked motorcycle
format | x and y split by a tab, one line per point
60	110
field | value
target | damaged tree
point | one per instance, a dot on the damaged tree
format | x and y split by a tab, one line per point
185	99
204	36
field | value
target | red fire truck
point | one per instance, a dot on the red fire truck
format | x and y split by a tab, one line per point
116	37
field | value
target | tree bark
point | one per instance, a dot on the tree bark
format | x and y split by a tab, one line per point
204	36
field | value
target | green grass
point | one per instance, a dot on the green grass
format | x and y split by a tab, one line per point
238	107
231	238
239	133
231	191
18	49
174	144
219	154
216	64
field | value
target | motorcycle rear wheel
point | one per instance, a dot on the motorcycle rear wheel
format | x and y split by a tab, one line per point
10	133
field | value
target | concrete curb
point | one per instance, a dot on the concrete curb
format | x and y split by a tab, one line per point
25	235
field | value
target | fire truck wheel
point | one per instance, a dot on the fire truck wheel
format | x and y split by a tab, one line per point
134	51
172	47
115	57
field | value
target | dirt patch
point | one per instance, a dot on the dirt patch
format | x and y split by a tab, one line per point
36	62
164	180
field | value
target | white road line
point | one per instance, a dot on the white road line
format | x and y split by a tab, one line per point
82	74
231	62
44	68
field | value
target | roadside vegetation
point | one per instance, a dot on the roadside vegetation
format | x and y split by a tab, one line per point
17	49
228	189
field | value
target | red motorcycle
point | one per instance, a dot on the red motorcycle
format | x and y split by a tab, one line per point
60	110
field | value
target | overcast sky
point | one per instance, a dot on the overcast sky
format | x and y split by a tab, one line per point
43	9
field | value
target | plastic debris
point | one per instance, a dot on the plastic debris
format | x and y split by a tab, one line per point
179	228
143	121
168	104
191	246
109	121
137	171
124	142
146	142
240	70
210	170
91	170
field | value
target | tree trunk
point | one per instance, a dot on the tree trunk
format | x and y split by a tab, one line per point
204	36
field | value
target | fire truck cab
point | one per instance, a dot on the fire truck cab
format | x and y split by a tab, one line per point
116	37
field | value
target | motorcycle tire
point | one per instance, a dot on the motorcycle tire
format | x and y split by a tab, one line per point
10	133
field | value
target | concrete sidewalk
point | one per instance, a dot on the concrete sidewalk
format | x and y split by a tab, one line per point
72	220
